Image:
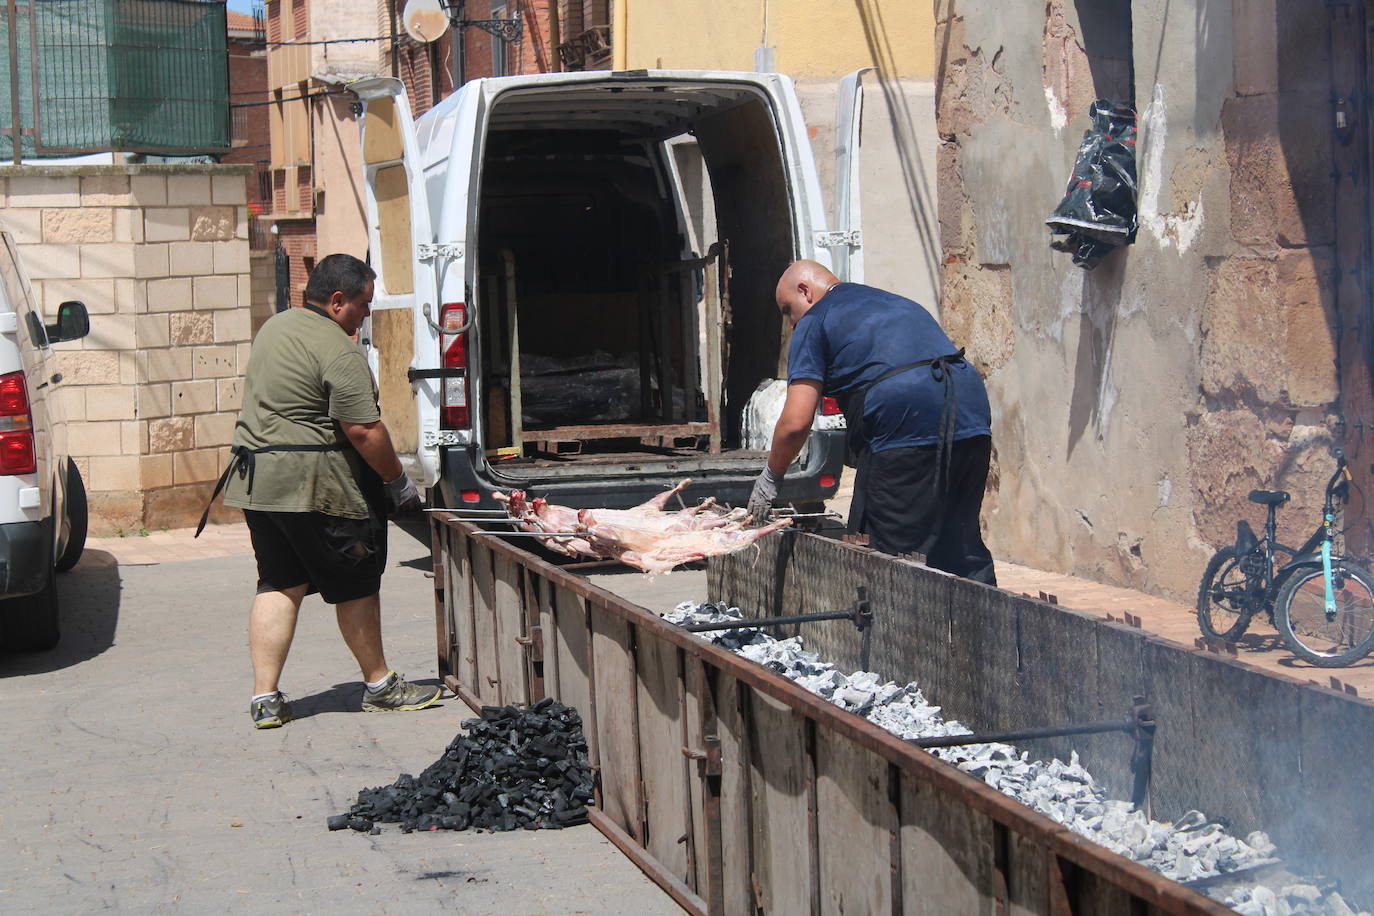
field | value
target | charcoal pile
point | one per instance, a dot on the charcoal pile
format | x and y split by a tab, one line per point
1193	849
517	767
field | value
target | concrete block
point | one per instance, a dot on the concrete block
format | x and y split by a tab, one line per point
71	403
130	369
151	331
150	260
106	191
1243	327
88	439
130	295
230	190
215	293
169	295
43	262
4	193
191	259
213	224
154	401
1253	152
26	226
116	259
89	367
194	397
149	190
170	434
215	429
97	294
241	223
112	332
40	191
166	224
229	393
246	291
231	257
191	328
64	225
114	473
128	225
197	466
115	512
244	351
232	325
215	362
133	436
155	471
188	190
172	365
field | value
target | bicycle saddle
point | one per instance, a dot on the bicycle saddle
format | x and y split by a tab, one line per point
1270	497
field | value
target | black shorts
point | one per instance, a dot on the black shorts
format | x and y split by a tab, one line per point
341	558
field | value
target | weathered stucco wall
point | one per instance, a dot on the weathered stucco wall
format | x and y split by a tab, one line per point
1134	405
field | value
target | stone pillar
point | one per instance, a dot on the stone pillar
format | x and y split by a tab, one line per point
159	254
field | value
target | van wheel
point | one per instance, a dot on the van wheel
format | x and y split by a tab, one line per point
77	518
30	624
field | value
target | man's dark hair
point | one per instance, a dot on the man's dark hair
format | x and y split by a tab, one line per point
341	272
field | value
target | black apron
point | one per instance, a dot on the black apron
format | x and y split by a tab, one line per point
858	454
244	460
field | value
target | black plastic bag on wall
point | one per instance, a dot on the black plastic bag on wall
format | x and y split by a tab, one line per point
1098	211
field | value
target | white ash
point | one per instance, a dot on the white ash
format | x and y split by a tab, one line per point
1191	848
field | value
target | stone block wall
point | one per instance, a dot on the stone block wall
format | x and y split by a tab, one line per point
159	254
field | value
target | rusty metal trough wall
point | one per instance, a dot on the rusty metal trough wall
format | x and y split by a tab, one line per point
1265	752
738	791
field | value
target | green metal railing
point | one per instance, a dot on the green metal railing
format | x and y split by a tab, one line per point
94	75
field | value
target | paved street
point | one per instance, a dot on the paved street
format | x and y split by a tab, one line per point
134	781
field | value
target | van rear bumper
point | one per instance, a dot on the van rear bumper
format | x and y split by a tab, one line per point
622	491
25	557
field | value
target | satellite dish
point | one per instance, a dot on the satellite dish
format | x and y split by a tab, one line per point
424	20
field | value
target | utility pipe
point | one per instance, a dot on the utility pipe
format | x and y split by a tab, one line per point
619	52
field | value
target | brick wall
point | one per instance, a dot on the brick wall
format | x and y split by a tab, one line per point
159	254
298	238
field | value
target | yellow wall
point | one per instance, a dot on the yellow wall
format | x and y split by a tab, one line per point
810	37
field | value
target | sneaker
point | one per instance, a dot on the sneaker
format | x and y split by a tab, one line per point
270	713
397	694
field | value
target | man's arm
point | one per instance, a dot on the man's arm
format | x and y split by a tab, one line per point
794	425
373	442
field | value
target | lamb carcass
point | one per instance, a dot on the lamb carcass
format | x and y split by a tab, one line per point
539	514
660	551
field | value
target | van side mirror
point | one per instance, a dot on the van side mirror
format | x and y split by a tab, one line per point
73	322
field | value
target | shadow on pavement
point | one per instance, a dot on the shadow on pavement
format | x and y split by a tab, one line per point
89	607
346	697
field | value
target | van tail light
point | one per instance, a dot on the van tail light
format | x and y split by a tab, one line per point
16	426
453	354
830	407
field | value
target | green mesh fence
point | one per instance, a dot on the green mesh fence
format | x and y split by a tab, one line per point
133	75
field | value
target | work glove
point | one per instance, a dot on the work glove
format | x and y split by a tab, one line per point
402	495
765	491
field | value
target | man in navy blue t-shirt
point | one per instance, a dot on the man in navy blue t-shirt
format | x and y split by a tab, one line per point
918	416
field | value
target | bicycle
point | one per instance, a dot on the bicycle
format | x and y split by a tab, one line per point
1320	601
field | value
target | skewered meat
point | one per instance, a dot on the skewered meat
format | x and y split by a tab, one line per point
645	537
660	551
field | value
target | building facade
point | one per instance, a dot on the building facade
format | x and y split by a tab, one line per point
1227	348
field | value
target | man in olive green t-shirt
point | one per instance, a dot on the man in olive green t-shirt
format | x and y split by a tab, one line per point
315	472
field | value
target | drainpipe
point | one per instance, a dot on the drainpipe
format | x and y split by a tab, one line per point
555	38
618	32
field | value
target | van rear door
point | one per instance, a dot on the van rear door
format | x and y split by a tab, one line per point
401	336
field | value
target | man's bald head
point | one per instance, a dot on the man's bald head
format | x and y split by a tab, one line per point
801	286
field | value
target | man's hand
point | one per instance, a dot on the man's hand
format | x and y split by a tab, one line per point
765	491
402	495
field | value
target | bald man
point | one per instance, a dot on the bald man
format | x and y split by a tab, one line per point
918	416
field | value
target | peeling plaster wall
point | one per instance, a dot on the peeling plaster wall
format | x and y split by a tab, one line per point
1134	405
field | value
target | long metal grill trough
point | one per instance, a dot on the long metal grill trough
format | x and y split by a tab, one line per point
739	791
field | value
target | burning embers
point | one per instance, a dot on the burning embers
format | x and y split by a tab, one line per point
1191	849
515	768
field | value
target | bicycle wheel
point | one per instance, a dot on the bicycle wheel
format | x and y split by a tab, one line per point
1327	640
1224	605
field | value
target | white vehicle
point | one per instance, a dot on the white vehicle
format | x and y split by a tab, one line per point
576	277
42	500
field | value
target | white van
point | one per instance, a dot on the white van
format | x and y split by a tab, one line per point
42	499
576	277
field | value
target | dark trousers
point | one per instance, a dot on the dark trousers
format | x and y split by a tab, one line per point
902	510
